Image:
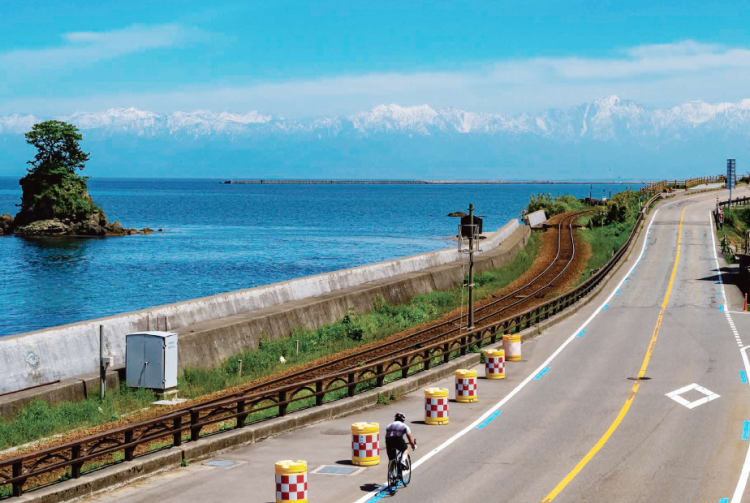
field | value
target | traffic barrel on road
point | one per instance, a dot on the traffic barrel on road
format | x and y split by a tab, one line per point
291	481
466	386
365	444
436	405
494	364
512	346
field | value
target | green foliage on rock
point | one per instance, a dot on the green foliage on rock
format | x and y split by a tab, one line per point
52	188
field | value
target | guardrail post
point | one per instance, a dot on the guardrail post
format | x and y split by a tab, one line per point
350	384
177	435
462	351
195	431
380	379
319	393
493	334
75	468
282	403
18	484
129	451
426	359
241	414
446	352
404	367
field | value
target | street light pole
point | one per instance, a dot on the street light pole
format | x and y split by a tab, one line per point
471	266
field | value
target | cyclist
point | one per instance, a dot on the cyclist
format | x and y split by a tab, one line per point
394	437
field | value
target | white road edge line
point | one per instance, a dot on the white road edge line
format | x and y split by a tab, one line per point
739	490
522	384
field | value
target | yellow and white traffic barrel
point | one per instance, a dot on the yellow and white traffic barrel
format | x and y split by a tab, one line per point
466	386
365	444
291	481
436	405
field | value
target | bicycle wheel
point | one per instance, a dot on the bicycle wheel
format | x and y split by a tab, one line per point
405	472
393	475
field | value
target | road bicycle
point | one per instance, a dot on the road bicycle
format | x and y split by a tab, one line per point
399	470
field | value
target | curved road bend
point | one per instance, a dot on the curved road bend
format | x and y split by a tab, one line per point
578	431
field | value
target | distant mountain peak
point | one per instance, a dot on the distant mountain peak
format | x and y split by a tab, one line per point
395	117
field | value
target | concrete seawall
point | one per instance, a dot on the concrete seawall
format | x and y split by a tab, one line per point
212	328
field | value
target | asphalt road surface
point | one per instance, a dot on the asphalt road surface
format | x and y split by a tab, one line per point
641	396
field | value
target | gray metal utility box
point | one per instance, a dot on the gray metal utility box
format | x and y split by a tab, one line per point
151	360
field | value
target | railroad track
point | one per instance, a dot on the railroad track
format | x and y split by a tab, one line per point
314	385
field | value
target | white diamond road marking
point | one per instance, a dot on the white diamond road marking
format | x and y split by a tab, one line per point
675	395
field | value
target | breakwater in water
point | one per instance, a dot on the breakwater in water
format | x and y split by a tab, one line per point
281	181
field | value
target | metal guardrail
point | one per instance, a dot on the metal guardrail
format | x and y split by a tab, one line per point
740	201
75	458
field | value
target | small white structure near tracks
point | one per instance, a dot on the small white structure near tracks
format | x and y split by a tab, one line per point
151	360
536	219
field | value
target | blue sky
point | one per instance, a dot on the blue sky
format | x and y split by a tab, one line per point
304	58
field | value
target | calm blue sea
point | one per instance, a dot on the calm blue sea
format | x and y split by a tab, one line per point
219	238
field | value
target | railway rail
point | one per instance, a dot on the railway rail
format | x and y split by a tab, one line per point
365	369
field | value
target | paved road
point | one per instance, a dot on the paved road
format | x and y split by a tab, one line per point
581	430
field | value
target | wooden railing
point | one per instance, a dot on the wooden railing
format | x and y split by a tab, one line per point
662	185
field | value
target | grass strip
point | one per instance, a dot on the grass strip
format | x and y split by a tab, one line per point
604	241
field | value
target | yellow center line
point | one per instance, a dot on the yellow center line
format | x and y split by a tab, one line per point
626	406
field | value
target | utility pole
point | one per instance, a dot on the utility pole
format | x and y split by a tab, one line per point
471	266
470	227
102	365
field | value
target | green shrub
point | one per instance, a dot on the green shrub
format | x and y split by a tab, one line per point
623	206
554	205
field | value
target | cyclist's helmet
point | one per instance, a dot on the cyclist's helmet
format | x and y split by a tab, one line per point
399	417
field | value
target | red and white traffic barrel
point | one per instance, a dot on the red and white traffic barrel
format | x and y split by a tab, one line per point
466	386
436	405
494	363
365	444
291	481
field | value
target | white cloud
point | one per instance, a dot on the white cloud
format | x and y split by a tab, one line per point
86	48
659	75
666	60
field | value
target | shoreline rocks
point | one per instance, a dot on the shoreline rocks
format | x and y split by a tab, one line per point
6	224
95	226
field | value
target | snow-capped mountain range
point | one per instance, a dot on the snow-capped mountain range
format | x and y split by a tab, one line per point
602	119
612	136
